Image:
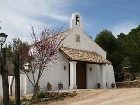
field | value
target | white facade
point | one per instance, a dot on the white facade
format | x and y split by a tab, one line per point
100	73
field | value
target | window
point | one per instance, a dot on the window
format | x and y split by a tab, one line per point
77	38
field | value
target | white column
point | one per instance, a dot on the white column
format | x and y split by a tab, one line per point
73	75
103	76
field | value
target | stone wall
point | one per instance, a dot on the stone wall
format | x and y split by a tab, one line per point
128	84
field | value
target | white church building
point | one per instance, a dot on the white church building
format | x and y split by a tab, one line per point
81	63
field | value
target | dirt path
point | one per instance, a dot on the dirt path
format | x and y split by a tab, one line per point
103	97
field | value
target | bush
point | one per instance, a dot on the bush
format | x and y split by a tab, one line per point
55	95
41	95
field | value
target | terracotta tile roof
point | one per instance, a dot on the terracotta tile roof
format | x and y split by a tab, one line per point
84	55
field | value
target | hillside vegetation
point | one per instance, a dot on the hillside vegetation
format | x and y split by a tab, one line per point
122	51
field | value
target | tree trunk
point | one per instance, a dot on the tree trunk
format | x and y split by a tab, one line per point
5	83
35	93
17	80
11	86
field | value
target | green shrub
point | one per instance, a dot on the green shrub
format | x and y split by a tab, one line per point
41	95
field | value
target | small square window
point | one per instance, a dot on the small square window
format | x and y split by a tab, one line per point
77	38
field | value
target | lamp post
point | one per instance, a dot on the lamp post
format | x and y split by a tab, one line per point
3	37
4	71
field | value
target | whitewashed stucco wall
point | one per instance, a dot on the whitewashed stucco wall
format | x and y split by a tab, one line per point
1	86
103	74
93	77
22	84
85	42
54	74
110	75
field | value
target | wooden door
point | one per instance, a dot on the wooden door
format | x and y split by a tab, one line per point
81	75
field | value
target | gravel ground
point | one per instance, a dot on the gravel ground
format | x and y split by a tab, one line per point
130	96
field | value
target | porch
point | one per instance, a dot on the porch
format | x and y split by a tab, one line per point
82	65
84	75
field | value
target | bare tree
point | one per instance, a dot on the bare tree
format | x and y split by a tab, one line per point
44	50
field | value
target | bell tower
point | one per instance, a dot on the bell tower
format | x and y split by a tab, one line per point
76	21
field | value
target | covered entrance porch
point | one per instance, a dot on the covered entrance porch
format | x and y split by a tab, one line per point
79	71
81	75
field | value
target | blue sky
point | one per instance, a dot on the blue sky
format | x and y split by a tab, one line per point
17	16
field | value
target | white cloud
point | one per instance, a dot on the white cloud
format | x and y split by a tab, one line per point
123	28
17	16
